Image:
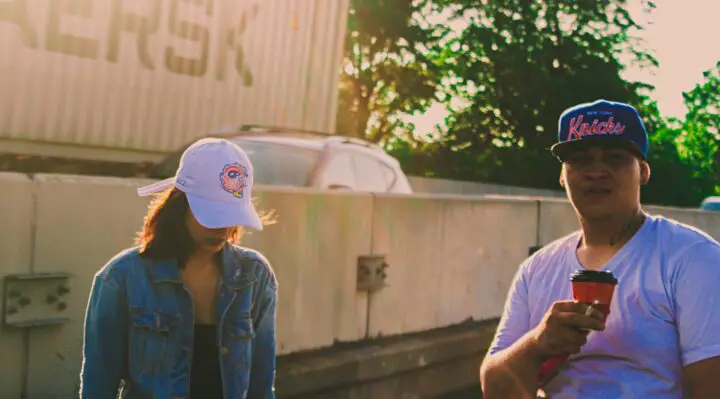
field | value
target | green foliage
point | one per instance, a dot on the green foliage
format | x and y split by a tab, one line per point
518	65
672	179
684	153
505	73
701	128
389	66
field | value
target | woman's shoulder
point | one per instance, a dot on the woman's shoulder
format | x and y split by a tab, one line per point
259	264
120	265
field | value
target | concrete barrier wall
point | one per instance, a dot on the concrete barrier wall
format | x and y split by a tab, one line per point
451	259
16	238
80	224
447	186
313	248
709	222
557	218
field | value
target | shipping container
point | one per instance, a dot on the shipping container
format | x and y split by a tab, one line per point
132	80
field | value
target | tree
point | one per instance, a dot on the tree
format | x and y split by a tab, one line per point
700	140
389	66
518	65
672	180
685	152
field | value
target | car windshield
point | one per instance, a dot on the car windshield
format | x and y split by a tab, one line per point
279	165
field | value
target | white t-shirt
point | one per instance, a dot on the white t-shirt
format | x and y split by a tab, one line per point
665	312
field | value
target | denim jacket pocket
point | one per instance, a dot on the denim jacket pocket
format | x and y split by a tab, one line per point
150	340
240	333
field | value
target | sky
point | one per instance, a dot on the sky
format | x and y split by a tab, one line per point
684	35
685	38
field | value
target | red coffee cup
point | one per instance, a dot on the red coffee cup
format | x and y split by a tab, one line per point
594	288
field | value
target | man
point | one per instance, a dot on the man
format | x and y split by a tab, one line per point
662	336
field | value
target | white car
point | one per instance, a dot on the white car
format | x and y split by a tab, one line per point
287	157
711	204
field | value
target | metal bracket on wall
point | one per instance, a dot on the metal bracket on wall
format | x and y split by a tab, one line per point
371	274
33	300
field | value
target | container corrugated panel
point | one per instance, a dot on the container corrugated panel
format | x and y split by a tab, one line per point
151	75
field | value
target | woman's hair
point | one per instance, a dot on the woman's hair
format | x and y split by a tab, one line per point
165	234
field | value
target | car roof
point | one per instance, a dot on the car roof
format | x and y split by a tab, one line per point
711	199
313	140
309	143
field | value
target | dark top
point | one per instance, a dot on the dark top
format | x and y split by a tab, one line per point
205	378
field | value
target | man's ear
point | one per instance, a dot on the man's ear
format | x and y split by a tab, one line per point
644	173
561	178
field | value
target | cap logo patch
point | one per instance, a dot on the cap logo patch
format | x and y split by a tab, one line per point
233	179
578	128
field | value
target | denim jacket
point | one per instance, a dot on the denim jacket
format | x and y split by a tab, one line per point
139	329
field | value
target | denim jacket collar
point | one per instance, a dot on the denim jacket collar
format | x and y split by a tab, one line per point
164	271
235	275
168	271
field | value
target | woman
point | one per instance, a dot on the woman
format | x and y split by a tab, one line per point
185	313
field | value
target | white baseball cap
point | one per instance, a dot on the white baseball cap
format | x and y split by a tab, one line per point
217	177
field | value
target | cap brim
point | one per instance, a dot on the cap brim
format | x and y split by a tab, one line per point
562	150
218	214
156	187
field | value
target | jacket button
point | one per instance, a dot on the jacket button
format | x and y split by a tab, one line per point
224	350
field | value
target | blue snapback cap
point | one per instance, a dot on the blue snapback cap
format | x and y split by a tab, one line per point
601	123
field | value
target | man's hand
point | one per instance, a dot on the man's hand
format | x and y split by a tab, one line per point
564	329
